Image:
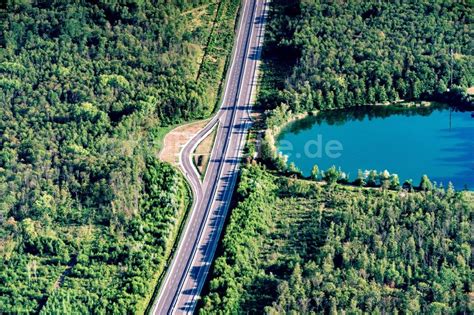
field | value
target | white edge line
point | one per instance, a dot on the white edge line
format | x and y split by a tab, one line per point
216	117
227	200
220	175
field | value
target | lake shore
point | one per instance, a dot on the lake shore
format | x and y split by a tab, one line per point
271	134
409	141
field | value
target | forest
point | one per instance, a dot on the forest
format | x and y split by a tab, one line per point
324	245
295	246
88	215
337	54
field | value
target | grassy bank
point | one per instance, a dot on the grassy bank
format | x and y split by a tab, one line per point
213	67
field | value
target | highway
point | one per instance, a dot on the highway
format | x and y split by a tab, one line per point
189	267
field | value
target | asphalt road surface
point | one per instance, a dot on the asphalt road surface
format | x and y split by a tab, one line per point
190	265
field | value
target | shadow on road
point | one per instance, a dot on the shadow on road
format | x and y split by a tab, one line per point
255	52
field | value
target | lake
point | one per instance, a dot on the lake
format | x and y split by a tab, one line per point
436	140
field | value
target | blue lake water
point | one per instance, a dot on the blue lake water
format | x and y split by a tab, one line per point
437	141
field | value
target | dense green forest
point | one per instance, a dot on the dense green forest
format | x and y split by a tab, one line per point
295	246
87	88
336	54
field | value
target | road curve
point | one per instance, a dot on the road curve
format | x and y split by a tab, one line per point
190	265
